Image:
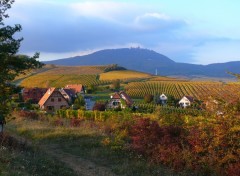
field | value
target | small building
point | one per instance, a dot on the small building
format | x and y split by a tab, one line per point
53	100
77	88
186	101
33	94
120	99
163	99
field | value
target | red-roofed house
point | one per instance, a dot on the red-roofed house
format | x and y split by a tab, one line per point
53	100
120	99
77	88
35	94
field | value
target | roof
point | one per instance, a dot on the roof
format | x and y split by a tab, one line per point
190	98
69	92
116	96
76	87
46	96
126	97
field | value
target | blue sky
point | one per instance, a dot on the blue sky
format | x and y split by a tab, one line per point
199	31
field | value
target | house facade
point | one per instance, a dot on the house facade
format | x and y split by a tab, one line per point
33	94
186	101
119	99
163	99
53	100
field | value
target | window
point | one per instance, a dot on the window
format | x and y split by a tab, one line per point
59	99
52	99
50	108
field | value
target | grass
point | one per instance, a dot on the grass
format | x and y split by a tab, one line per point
22	160
85	142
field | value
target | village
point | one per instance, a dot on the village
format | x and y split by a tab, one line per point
74	96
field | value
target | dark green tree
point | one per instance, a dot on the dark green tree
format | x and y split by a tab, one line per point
148	98
116	84
79	102
12	64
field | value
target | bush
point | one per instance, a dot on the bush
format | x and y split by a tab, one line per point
28	114
99	106
145	135
148	98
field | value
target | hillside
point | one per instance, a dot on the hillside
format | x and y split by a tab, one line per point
59	76
145	60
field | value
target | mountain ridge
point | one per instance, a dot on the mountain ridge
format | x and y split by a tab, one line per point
148	61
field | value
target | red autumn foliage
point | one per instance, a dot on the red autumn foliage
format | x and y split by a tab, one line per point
145	135
75	122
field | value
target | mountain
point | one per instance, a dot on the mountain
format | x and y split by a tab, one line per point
148	61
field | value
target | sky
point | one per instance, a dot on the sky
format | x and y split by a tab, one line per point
189	31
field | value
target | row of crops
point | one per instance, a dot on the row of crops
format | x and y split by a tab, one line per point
42	80
199	90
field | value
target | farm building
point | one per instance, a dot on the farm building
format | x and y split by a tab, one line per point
53	100
33	94
186	101
163	99
120	99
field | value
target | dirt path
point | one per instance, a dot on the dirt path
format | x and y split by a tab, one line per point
80	166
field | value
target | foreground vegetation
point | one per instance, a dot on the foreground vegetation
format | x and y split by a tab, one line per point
140	144
17	158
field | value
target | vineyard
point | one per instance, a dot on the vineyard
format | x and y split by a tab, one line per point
123	75
59	76
199	90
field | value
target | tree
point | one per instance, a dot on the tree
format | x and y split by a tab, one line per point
79	102
148	98
116	84
99	106
12	64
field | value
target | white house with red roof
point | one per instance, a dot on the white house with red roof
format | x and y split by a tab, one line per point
119	99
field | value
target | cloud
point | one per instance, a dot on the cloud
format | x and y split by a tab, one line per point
111	11
158	21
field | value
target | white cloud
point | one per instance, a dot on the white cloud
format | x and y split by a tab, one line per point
103	9
157	21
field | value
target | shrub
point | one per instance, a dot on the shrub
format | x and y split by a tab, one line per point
99	106
148	98
28	114
145	135
75	122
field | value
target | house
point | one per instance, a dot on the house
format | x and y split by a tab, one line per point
69	94
120	99
53	100
77	88
33	94
163	99
186	101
